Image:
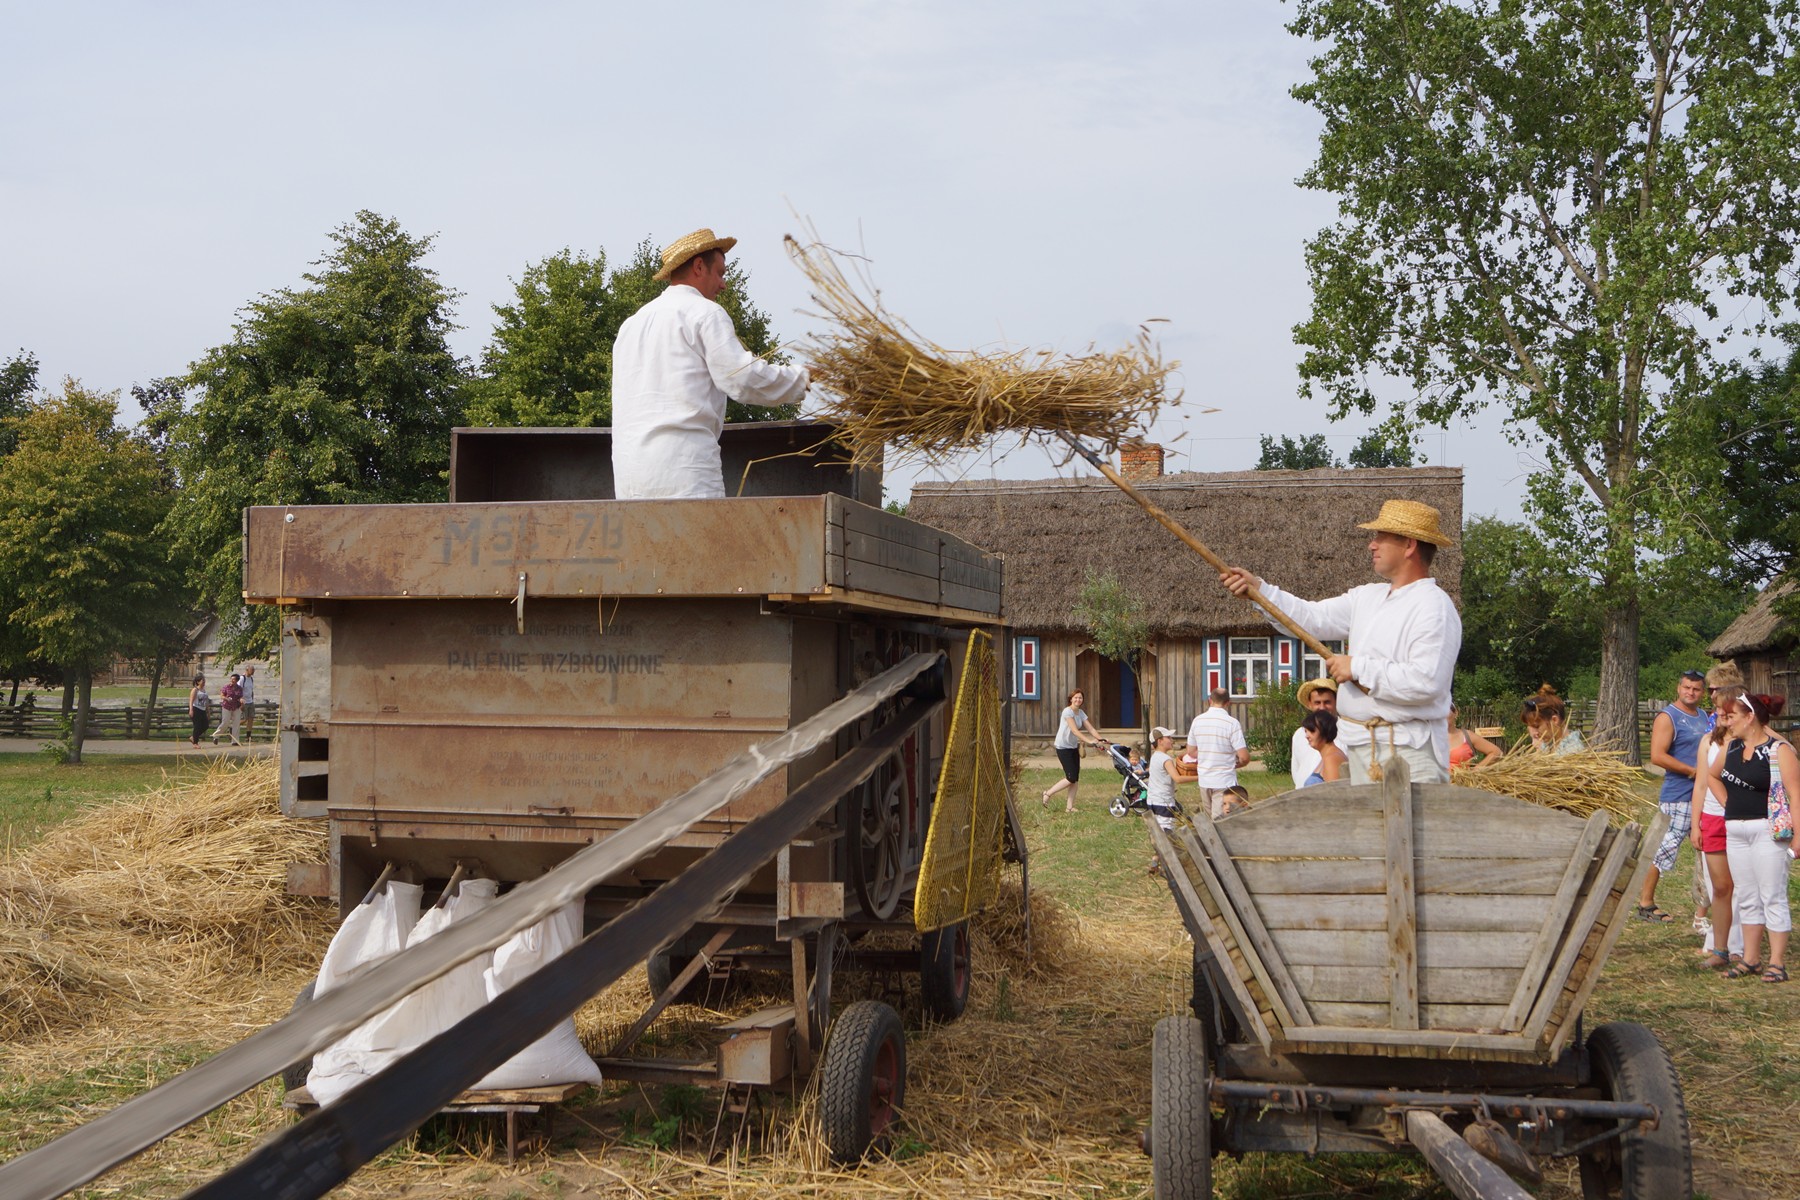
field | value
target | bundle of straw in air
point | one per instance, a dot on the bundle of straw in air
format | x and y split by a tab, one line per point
1582	783
888	385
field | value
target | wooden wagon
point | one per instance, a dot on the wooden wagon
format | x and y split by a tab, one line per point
1401	967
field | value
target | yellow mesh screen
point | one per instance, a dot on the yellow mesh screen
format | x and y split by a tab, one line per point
961	869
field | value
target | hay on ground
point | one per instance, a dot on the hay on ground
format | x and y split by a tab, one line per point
1582	783
890	386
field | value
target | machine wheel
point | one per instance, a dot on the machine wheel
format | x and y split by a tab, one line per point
660	970
294	1076
1180	1112
944	973
862	1080
878	854
1631	1066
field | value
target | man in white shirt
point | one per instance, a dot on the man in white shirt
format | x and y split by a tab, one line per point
1315	695
1404	636
675	363
1216	741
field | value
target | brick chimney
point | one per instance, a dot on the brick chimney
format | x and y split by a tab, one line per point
1139	461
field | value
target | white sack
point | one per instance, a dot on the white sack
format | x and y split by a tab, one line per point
557	1057
370	933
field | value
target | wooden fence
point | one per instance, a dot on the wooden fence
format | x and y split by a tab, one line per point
167	720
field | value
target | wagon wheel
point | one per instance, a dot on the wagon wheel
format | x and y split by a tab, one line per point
1180	1112
1632	1067
878	855
862	1080
944	971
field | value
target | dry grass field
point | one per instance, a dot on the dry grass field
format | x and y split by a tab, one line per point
150	933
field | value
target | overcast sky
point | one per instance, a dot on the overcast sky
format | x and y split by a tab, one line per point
1043	174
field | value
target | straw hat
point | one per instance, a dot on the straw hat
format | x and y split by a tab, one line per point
1408	518
1304	695
1726	674
684	248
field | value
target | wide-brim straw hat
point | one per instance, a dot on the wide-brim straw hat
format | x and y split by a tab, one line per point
1304	695
1726	674
1408	518
684	248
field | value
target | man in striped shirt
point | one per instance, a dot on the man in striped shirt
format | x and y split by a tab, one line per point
1216	741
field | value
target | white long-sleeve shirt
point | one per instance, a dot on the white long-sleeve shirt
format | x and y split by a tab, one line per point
675	362
1403	644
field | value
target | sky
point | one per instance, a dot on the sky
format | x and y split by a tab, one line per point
1042	174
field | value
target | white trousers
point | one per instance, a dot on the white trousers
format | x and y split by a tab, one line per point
1759	872
1424	764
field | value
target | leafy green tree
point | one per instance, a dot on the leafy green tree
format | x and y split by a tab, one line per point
1542	205
1116	626
1389	444
1526	614
81	566
1307	454
550	362
18	380
340	392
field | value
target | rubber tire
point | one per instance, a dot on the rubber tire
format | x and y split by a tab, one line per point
1180	1112
1631	1066
946	971
660	970
294	1076
866	1044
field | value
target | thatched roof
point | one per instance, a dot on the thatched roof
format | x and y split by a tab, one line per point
1760	627
1295	528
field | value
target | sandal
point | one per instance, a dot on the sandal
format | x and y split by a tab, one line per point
1716	960
1775	975
1743	970
1653	914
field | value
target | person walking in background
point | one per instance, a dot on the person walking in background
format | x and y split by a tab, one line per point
1320	729
198	703
1465	744
1217	742
1315	695
1675	747
248	683
1072	729
231	707
1753	764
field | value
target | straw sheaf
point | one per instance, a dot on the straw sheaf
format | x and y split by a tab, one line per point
170	901
1582	783
1297	529
886	386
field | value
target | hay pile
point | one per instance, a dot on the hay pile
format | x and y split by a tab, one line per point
889	385
160	906
1582	783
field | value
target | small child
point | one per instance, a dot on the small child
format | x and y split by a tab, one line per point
1135	760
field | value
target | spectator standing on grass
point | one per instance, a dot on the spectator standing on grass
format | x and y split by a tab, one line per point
1724	941
1754	762
231	708
198	704
248	683
1675	738
1216	741
1072	729
1315	695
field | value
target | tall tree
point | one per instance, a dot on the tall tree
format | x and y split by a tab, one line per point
1307	454
81	567
1115	620
550	362
1542	204
340	392
18	380
1389	444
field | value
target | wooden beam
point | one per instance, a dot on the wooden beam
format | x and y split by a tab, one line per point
1402	907
629	1038
1468	1175
1260	946
1624	846
1556	916
1201	926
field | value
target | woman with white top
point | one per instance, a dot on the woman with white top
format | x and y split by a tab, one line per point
1072	729
1754	759
1725	938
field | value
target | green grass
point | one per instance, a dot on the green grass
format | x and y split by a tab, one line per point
36	795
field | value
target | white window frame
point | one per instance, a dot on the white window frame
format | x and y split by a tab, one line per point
1311	665
1243	649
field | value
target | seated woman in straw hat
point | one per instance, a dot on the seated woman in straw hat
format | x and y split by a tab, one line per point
675	363
1394	691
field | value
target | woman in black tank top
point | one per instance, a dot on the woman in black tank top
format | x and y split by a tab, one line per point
1743	777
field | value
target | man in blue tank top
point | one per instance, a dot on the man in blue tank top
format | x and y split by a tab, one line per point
1675	747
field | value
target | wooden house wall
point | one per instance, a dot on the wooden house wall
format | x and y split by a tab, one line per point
1176	683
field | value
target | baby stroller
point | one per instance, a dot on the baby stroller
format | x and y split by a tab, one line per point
1134	793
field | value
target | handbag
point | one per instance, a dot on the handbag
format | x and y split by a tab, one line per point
1781	817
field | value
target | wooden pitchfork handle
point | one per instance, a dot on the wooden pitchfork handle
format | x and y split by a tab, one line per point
1193	543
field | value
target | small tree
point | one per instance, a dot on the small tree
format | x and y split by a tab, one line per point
1115	621
1308	454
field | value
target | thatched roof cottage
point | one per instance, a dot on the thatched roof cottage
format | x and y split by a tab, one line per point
1766	646
1295	528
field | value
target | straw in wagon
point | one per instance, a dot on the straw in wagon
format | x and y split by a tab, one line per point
1582	782
675	363
888	385
1394	692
